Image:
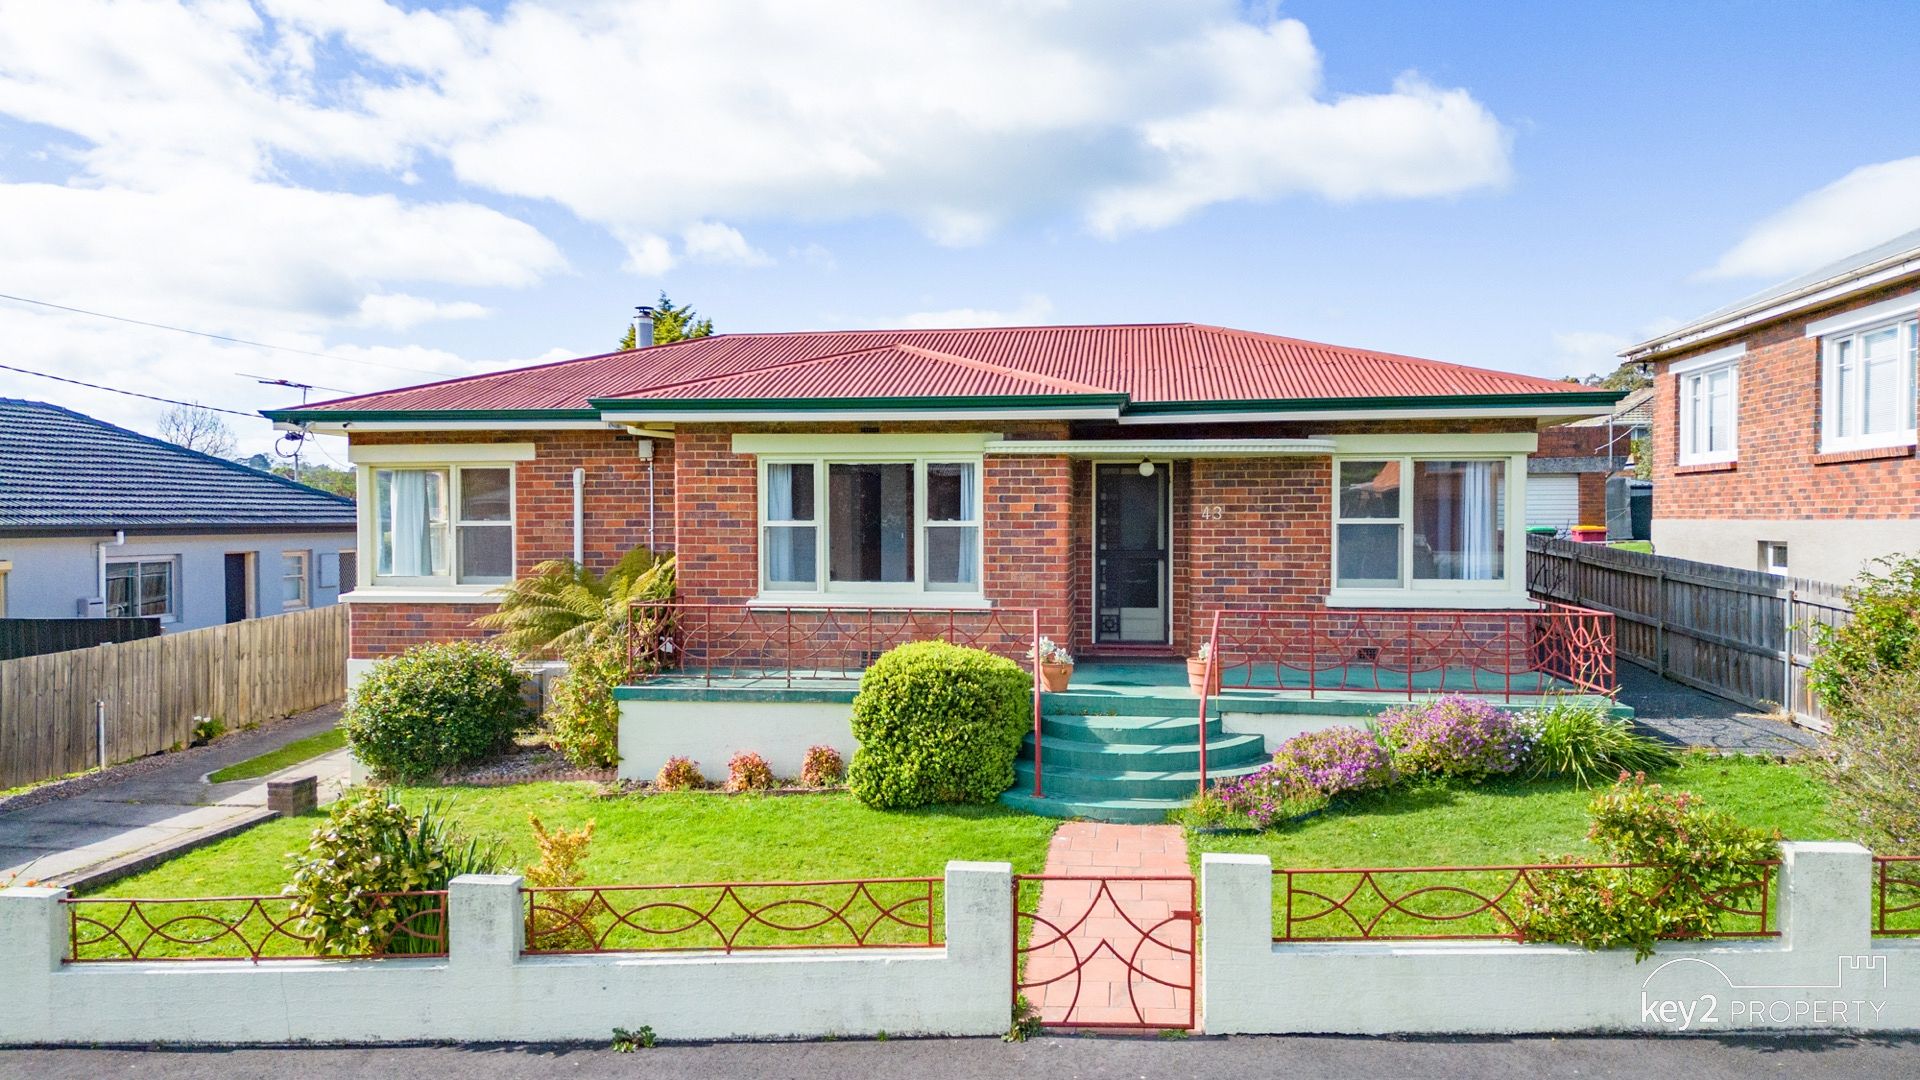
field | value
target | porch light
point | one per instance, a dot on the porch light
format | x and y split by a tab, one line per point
1146	468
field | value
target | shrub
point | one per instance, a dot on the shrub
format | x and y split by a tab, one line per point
561	605
1455	736
583	718
1261	798
1335	760
938	723
560	920
1579	740
680	774
749	771
433	707
823	767
372	845
1698	862
1882	636
1872	761
207	728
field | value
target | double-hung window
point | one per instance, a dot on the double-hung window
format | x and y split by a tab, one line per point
1418	523
1867	386
443	525
141	587
294	581
1709	390
888	528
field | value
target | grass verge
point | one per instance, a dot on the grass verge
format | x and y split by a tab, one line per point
273	761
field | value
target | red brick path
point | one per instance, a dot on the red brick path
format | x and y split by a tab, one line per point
1104	919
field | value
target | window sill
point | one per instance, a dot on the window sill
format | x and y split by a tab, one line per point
421	594
1705	467
1865	453
897	601
1432	599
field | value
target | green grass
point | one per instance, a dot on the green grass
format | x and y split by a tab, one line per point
1501	822
293	753
676	838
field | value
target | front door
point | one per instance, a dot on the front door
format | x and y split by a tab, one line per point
1132	579
239	580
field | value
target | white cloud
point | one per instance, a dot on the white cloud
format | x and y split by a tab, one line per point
399	311
711	241
1585	352
1033	310
1865	207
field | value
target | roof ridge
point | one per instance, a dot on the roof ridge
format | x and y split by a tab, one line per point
890	346
176	448
988	365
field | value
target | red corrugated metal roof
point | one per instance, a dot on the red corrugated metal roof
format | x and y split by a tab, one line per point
1170	362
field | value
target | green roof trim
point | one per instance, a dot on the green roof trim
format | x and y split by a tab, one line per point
827	404
1596	398
307	416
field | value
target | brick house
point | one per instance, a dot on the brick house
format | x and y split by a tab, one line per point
1113	488
1784	423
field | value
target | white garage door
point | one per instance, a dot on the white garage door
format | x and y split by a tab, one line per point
1554	500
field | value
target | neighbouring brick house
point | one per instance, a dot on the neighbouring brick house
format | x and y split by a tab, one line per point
1784	423
1113	487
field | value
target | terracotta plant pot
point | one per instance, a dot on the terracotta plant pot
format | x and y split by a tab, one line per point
1197	676
1054	677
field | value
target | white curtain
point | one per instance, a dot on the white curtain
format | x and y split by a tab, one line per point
1479	519
969	538
411	515
780	508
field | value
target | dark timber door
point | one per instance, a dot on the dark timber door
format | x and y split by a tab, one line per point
1132	582
237	563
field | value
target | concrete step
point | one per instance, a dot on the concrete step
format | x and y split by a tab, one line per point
1127	811
1174	785
1133	728
1222	751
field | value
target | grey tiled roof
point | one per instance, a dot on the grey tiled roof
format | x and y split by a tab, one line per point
62	470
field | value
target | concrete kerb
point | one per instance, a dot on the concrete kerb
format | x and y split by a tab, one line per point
1823	972
486	989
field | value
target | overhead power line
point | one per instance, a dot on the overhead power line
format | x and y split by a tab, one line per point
220	337
130	393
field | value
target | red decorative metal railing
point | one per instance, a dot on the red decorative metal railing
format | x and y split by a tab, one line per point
789	647
1209	685
1558	648
1106	952
1433	903
869	913
255	928
1896	895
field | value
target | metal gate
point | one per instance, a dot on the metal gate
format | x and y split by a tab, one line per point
1106	952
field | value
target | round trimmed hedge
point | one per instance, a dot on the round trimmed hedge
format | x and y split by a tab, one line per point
938	723
433	707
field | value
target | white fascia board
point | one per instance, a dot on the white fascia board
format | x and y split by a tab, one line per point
347	427
435	453
1503	442
1813	296
1708	359
625	417
1884	311
1282	416
896	443
1132	449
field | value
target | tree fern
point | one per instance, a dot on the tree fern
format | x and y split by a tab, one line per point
562	605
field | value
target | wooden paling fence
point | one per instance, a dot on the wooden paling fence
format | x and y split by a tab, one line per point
150	691
1742	634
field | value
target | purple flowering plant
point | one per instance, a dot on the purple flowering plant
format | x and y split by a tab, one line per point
1456	736
1306	772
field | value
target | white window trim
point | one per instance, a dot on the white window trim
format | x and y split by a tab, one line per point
1693	371
172	614
1506	592
448	589
826	593
1909	334
306	581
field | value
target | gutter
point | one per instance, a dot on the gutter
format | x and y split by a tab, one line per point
1767	310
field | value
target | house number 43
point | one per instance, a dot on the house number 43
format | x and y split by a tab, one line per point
1213	513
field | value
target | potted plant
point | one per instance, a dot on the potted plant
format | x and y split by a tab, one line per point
1197	671
1056	665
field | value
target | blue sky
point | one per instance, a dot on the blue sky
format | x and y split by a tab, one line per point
1554	182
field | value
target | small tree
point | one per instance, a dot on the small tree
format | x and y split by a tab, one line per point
1872	762
672	324
197	428
1882	637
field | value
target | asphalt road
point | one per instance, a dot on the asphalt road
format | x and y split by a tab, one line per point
1302	1058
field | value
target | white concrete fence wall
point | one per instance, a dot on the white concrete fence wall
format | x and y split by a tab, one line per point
485	989
1824	971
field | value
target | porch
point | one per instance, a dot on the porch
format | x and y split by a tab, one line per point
1130	738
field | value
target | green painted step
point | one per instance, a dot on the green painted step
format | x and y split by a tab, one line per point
1175	786
1127	811
1222	751
1157	730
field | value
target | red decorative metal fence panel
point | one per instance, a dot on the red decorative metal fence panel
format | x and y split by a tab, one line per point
1412	653
1106	952
872	913
255	928
1428	903
1896	895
